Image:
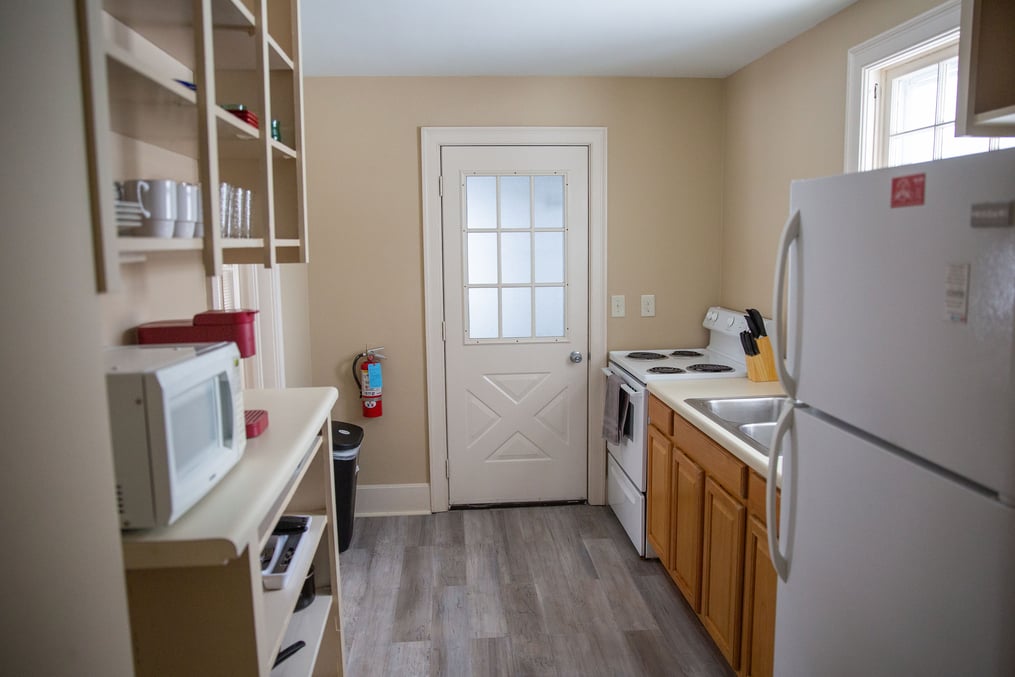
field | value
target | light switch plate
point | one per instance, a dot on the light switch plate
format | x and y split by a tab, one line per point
648	305
617	306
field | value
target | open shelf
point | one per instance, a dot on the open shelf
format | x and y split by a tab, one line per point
144	123
144	245
308	626
148	106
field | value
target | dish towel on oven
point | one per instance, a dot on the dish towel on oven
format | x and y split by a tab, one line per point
614	410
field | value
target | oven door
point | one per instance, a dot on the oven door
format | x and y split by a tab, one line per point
630	453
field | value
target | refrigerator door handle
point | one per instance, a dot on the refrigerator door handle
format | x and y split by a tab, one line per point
780	563
790	233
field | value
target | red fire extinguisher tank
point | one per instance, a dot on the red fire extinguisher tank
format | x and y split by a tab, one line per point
368	377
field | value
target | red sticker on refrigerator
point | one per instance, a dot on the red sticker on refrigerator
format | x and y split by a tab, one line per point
907	191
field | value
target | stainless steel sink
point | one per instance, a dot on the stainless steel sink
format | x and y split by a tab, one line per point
759	432
750	419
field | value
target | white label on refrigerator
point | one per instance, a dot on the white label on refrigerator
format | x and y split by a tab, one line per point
956	292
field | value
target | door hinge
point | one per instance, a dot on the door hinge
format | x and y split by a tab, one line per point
447	471
440	186
875	91
444	333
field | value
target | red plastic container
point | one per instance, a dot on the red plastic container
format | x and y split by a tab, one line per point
206	327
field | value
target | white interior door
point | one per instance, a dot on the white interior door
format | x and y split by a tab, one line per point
515	222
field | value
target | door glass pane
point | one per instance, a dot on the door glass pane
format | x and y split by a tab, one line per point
517	312
514	202
549	311
481	201
549	257
483	313
516	258
482	258
914	99
963	145
549	201
906	149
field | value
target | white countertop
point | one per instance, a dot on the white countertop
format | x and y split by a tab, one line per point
233	515
673	393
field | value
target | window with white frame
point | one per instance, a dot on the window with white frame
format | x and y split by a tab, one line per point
903	94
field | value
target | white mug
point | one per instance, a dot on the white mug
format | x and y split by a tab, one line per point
160	199
186	209
158	205
133	191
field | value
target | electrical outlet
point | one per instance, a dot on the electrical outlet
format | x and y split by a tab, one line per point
648	305
617	306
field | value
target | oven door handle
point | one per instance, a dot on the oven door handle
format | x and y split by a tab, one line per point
631	392
607	373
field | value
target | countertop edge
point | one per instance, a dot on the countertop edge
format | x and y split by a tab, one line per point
674	394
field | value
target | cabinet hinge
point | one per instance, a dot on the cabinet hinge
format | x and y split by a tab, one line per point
447	471
440	186
444	334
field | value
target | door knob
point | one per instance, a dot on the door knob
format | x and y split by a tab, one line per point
576	356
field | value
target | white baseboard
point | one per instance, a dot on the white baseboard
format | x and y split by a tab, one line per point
374	500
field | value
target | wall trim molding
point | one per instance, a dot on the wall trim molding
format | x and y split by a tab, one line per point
375	500
919	29
431	140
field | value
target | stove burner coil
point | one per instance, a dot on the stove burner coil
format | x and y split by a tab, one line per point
642	355
666	370
685	353
710	368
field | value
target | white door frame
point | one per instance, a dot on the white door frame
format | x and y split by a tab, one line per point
431	141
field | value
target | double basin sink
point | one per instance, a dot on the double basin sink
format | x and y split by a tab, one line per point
750	419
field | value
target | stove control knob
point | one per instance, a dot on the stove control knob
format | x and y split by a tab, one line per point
732	321
576	357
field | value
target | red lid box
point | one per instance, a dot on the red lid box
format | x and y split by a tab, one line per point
206	327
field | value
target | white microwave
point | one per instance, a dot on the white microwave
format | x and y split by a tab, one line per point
177	421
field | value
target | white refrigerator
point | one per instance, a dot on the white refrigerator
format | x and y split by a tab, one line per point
896	548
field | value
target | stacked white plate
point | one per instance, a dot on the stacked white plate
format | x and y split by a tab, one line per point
128	214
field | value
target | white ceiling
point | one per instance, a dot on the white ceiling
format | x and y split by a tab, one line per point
658	38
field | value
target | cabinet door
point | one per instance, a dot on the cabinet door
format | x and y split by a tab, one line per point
658	517
758	645
722	570
688	483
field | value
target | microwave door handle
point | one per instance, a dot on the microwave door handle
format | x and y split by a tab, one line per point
228	415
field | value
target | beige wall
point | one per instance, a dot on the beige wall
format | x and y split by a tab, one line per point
785	120
64	609
366	270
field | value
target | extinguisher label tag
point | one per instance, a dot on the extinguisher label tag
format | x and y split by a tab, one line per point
374	375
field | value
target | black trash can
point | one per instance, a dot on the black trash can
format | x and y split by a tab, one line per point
346	439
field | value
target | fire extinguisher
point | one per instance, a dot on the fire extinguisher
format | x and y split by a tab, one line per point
368	378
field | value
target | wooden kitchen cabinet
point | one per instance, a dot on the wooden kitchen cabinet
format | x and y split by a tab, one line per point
659	494
757	648
687	502
986	96
194	588
716	550
722	569
143	122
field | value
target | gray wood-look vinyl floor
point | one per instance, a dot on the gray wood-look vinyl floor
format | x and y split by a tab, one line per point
549	590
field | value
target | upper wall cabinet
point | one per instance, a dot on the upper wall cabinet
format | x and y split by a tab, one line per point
987	69
204	92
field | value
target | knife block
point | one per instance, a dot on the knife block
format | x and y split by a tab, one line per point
761	367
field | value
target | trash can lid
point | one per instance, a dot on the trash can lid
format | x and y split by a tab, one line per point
345	436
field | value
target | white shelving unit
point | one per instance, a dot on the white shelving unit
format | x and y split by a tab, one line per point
235	52
197	603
